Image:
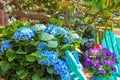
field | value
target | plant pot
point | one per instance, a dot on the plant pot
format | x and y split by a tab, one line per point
87	73
100	78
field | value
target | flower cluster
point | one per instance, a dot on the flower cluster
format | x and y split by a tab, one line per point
100	60
23	33
51	41
5	45
51	58
60	68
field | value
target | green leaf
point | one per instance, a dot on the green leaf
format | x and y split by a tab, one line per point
19	72
86	0
78	41
1	35
10	55
65	46
21	52
30	58
42	59
22	73
94	10
107	14
35	76
99	4
36	54
6	66
50	69
1	63
56	21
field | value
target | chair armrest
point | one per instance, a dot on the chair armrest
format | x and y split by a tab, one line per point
116	74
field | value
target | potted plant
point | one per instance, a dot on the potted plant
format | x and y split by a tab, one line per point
100	62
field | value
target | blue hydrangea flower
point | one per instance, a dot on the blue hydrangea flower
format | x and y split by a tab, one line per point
46	37
5	45
60	68
68	38
52	44
51	57
38	27
59	31
49	28
75	56
23	33
41	46
85	39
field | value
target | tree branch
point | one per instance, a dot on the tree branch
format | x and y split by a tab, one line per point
37	16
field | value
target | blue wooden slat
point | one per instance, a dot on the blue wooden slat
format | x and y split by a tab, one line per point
104	43
116	50
113	44
109	41
118	44
113	39
74	67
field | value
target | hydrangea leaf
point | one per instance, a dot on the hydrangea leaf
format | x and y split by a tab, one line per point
50	69
5	67
36	54
30	58
10	55
42	59
65	46
1	63
22	73
35	76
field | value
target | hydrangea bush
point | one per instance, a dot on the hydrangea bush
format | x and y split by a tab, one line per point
100	61
36	52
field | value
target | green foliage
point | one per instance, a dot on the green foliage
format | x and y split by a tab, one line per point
21	62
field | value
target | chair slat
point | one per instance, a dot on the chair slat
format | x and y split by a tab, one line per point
113	44
76	70
109	41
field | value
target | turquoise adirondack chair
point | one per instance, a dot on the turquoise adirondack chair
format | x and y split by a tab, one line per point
113	44
76	70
